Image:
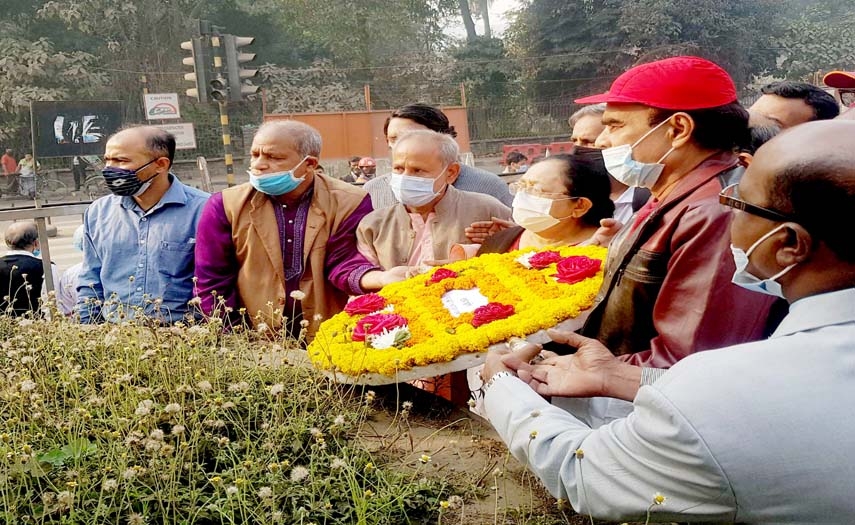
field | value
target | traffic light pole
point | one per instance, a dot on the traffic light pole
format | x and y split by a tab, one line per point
216	45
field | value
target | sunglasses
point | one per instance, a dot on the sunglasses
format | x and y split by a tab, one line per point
730	197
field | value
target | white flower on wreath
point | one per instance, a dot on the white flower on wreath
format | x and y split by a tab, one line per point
390	338
524	259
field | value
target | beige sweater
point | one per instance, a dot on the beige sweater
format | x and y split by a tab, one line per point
387	234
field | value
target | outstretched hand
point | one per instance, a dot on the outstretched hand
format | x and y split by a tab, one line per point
592	371
479	231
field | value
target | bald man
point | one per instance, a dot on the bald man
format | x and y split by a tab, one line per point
732	435
138	243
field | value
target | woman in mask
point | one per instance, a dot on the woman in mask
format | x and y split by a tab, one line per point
558	202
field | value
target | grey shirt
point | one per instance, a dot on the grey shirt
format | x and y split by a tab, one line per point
470	179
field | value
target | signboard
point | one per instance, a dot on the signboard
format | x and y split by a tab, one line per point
185	135
66	129
161	106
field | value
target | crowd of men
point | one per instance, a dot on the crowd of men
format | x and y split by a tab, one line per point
721	336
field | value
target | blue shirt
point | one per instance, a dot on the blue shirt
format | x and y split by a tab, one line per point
134	258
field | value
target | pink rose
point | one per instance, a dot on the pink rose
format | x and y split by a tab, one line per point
365	304
439	275
491	312
376	324
577	268
541	260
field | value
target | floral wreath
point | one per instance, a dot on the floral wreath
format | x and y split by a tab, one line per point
417	323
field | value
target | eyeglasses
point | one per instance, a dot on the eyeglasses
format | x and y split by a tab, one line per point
531	189
847	96
730	197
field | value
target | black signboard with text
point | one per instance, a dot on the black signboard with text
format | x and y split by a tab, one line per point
69	128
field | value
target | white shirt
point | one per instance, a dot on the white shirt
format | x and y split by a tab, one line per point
623	206
759	432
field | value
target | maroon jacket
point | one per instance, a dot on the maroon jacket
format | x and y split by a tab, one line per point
667	291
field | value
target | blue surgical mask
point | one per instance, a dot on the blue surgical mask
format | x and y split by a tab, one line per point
125	183
742	277
36	253
278	183
620	164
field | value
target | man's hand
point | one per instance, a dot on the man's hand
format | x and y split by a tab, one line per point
377	279
511	359
604	234
478	231
592	371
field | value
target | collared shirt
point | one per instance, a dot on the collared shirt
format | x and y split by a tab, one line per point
470	179
623	206
134	258
291	221
423	241
734	435
66	290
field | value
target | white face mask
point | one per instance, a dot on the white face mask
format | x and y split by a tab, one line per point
532	212
620	164
414	191
742	277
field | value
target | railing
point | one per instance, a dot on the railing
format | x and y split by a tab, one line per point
39	213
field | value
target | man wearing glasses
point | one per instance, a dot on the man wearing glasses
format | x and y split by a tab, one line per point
733	435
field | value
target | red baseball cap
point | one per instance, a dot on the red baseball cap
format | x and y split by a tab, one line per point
679	83
840	79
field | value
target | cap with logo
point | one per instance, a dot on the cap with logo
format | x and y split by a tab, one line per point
678	83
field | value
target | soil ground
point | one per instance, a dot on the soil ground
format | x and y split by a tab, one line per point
465	451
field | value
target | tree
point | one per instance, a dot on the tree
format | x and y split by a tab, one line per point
818	36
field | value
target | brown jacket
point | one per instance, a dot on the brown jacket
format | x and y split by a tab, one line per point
388	232
261	274
667	291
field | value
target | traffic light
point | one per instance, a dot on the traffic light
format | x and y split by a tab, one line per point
235	73
200	61
219	89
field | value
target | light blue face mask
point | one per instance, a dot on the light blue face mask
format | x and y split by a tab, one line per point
625	169
742	277
36	253
278	183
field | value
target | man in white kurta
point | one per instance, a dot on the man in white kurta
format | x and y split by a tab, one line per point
757	432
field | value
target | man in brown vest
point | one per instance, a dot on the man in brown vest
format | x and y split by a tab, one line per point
282	247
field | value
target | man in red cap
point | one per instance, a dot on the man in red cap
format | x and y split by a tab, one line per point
368	168
672	126
844	83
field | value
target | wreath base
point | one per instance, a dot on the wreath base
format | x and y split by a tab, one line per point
461	362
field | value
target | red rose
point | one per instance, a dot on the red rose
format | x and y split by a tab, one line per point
375	324
577	268
365	304
541	260
491	312
440	274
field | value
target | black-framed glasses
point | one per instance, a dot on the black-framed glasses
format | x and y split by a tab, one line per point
730	197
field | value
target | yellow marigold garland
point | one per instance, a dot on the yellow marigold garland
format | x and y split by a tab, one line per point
438	337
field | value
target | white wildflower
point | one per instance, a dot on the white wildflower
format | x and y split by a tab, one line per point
297	295
338	421
231	490
204	386
242	386
177	430
144	407
109	485
156	434
276	389
27	385
172	408
298	474
262	328
338	463
265	493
